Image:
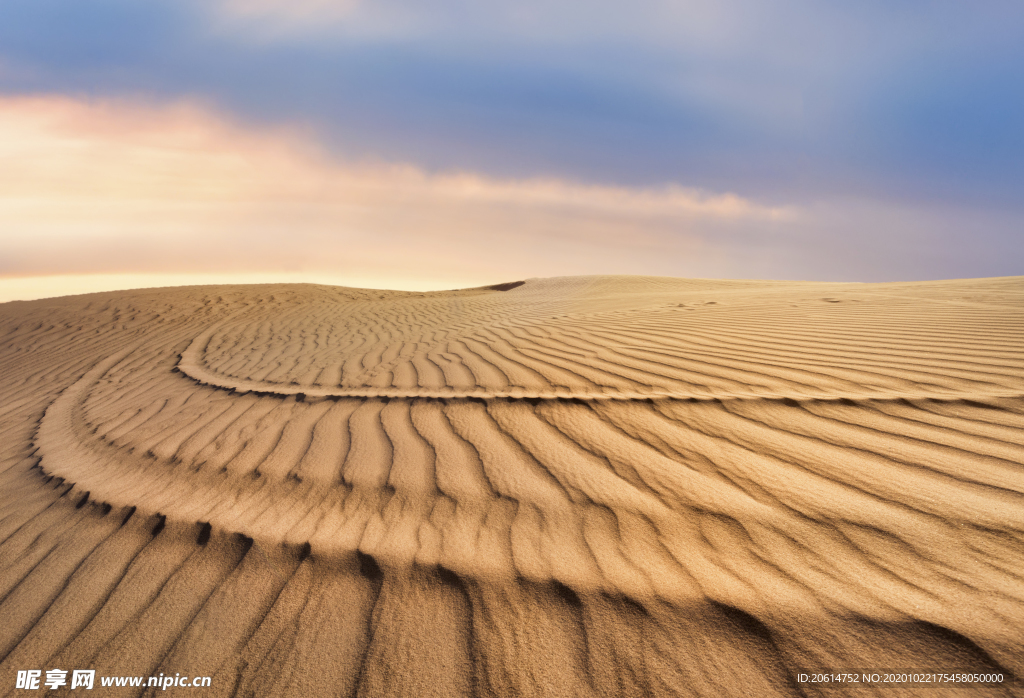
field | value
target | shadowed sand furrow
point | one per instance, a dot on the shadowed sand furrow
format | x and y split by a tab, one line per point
604	486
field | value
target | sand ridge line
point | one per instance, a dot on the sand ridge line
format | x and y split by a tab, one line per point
372	462
203	376
544	345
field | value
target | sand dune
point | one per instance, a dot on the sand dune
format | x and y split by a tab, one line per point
588	486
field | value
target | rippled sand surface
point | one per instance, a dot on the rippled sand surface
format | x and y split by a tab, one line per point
587	486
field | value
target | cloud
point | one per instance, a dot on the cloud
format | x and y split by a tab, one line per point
115	187
109	194
788	100
294	15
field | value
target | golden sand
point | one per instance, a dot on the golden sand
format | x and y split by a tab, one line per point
587	486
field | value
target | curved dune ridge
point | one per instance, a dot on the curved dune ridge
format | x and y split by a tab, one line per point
590	486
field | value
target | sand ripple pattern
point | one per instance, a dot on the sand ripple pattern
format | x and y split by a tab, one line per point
598	487
565	338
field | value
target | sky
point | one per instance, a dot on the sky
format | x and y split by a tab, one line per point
421	146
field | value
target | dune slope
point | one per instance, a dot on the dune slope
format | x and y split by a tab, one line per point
588	486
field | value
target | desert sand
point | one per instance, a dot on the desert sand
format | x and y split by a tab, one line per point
581	486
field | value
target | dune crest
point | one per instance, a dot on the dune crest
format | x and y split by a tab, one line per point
577	486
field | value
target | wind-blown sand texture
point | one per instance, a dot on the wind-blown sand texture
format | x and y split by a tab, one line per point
591	486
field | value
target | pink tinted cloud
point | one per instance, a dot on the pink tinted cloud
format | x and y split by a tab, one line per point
117	186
